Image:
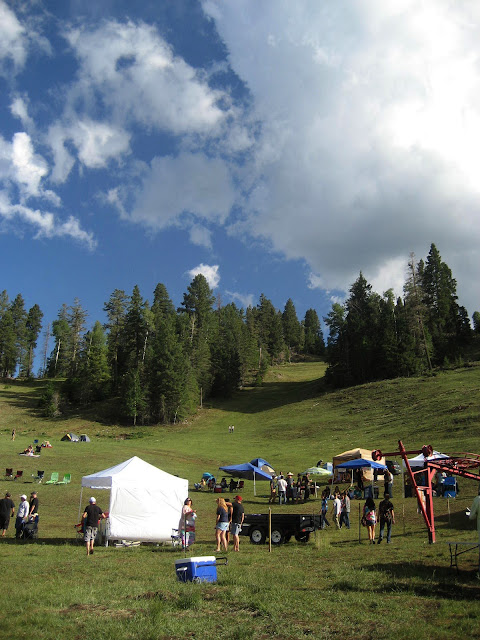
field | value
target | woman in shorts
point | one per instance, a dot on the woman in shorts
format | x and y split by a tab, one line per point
221	525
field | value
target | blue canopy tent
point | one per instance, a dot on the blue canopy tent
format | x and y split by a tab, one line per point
262	464
247	471
359	463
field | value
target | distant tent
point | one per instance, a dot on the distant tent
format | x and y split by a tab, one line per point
354	454
84	437
70	437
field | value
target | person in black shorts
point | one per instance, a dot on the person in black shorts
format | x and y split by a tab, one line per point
91	516
238	515
7	510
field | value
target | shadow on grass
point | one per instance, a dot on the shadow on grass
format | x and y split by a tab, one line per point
270	395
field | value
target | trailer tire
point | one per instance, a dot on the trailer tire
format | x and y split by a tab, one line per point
302	537
277	536
257	536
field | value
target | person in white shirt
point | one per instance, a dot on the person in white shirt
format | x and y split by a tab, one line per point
282	490
22	515
337	506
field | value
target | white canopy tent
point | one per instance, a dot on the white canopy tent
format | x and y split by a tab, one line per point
145	502
419	461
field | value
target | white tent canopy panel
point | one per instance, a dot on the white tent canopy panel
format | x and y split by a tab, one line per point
145	502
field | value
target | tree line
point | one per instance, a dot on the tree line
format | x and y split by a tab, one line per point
373	337
160	362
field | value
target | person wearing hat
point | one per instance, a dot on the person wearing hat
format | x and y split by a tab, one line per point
91	516
7	511
22	516
238	515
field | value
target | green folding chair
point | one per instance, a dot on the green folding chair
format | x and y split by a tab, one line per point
66	479
53	478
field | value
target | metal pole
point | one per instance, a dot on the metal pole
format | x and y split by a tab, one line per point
359	525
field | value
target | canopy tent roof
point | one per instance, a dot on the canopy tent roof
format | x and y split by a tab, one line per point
70	437
145	502
262	464
317	471
247	471
420	460
353	454
360	463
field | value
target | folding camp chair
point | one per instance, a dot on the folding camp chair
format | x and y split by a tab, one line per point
38	449
66	479
53	478
8	474
241	484
39	476
19	474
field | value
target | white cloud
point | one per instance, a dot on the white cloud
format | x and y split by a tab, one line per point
244	299
19	109
140	79
209	271
13	38
182	190
45	223
201	236
370	130
98	142
29	168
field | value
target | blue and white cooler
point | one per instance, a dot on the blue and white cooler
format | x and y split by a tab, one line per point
200	569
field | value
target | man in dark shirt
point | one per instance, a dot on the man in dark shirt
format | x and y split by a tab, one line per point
387	517
238	514
7	510
91	516
33	504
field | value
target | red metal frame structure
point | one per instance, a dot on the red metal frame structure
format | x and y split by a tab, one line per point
459	464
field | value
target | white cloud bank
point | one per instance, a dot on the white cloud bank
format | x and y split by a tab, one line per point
370	132
210	272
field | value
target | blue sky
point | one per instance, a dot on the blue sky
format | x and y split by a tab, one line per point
278	147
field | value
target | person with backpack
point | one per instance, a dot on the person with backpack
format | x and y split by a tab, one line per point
387	517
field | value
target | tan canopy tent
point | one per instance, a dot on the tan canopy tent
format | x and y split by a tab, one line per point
354	454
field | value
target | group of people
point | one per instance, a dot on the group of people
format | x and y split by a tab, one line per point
27	512
229	520
385	514
287	489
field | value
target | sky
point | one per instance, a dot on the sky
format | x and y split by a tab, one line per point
277	147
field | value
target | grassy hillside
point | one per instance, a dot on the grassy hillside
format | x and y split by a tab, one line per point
333	585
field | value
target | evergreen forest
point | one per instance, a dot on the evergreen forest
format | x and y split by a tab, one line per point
156	363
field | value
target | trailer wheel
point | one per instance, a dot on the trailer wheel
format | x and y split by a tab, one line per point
257	536
277	536
302	537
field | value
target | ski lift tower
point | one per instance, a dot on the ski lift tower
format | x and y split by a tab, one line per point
458	464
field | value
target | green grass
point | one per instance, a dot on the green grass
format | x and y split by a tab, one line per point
333	586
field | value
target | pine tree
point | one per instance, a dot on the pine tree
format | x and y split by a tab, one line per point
19	316
270	330
76	317
116	310
33	328
291	328
8	344
60	358
313	343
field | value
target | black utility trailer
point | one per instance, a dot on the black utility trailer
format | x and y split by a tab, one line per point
284	526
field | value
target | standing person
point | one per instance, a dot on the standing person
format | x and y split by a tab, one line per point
337	505
370	516
306	487
388	482
33	506
238	515
273	490
324	509
7	511
387	517
186	526
91	515
290	486
221	525
22	515
345	514
14	433
282	490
